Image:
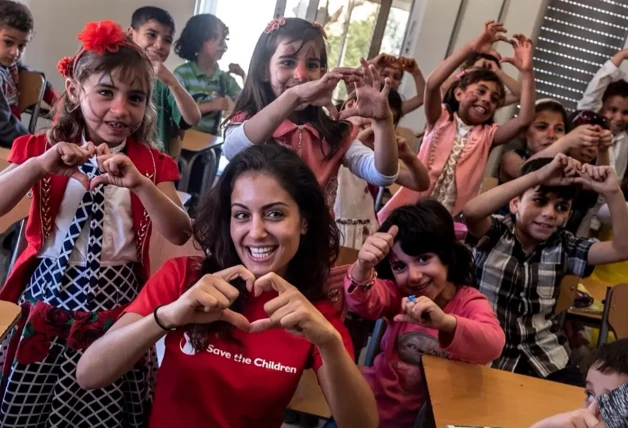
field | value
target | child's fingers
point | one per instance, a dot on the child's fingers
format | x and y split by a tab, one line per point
98	180
386	88
368	72
403	318
347	113
393	231
376	77
101	161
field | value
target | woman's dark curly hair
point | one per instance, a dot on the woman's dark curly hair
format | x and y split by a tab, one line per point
427	227
198	30
318	248
468	78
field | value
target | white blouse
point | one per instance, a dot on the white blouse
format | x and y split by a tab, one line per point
118	243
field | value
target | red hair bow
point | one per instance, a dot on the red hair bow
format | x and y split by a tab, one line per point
102	36
65	66
98	37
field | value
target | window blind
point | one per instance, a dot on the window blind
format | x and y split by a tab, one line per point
575	39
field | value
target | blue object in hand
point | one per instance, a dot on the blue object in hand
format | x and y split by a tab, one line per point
412	298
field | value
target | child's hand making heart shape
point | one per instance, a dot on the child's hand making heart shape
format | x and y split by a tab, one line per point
116	169
64	159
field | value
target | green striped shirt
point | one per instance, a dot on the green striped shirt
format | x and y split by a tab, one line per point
204	88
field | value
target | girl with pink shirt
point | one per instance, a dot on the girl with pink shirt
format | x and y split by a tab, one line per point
460	130
283	98
417	276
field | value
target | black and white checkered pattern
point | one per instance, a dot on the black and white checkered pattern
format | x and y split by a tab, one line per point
45	394
523	289
117	286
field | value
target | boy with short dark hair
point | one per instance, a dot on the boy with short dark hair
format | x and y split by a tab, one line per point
607	386
153	30
609	370
16	30
522	258
607	94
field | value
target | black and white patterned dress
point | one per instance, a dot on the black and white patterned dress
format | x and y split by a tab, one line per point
65	307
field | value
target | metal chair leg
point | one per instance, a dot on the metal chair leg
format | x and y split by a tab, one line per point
20	245
604	329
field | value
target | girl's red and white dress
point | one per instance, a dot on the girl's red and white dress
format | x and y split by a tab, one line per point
86	260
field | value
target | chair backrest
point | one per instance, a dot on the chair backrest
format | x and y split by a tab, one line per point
32	87
617	314
347	256
567	295
410	136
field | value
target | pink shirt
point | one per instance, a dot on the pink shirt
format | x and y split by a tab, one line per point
395	376
434	153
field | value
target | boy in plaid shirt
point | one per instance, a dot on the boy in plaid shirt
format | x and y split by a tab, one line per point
522	258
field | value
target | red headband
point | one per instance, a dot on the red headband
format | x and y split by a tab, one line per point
97	37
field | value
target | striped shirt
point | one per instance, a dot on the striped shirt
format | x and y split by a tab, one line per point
523	290
204	88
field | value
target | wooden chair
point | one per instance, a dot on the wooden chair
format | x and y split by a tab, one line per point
615	316
196	146
32	87
567	294
9	315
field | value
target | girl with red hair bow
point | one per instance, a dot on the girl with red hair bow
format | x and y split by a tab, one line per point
99	187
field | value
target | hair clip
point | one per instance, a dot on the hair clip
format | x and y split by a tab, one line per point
65	66
461	74
320	29
274	25
97	37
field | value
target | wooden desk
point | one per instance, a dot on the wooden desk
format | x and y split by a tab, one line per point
472	395
9	315
309	398
196	141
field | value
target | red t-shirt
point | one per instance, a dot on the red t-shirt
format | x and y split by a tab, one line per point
230	385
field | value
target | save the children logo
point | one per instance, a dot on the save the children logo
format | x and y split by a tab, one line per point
186	348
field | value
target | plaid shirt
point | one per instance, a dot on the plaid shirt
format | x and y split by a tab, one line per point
523	290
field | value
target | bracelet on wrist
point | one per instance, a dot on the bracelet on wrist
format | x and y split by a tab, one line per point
163	327
365	284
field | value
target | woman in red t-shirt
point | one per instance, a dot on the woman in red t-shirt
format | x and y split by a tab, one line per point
271	242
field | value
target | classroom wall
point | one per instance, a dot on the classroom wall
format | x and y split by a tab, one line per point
57	22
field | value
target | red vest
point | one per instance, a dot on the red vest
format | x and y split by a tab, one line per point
48	195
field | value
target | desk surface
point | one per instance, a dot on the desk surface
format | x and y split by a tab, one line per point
9	314
195	141
472	395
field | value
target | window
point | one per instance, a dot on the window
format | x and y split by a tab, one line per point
575	39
